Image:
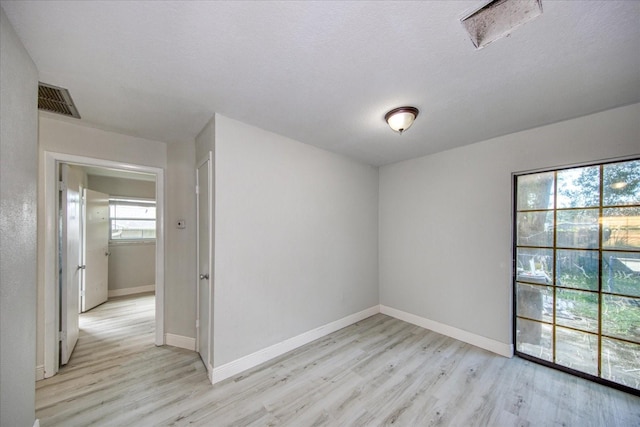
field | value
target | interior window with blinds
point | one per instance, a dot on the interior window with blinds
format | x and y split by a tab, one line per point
132	219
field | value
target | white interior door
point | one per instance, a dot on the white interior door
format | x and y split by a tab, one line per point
71	266
203	324
96	250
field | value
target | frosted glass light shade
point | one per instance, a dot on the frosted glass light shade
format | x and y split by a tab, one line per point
401	119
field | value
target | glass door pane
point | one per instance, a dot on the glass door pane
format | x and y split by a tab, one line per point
577	270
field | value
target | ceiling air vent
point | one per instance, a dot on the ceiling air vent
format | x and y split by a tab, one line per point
56	100
498	18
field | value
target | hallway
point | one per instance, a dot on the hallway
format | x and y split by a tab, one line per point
116	368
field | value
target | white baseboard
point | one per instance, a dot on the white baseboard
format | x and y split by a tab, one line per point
180	341
254	359
494	346
39	372
131	291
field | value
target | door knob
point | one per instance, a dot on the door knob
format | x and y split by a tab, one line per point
82	267
204	277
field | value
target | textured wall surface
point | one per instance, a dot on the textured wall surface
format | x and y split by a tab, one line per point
296	238
123	187
132	265
18	204
445	219
180	267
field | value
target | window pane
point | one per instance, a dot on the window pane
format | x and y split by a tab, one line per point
535	266
577	309
621	228
577	228
621	362
535	228
579	188
577	262
577	269
621	184
133	229
534	338
621	273
621	317
134	211
535	191
535	302
132	219
577	350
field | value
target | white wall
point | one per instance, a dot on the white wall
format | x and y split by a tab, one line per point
181	243
18	186
296	242
132	265
80	175
445	219
205	141
74	137
123	187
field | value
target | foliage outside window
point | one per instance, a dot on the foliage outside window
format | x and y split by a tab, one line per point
132	219
577	270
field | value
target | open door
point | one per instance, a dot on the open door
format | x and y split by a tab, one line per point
96	250
52	301
70	257
203	324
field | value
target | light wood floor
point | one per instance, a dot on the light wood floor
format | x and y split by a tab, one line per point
380	371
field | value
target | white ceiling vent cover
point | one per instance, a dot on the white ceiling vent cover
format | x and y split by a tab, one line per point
498	18
56	100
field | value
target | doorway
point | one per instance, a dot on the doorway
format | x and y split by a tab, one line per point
577	271
51	306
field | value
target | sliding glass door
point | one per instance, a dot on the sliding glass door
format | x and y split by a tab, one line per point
577	270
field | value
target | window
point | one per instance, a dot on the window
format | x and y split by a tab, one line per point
577	271
132	219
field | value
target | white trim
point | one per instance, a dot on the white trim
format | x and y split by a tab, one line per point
51	313
131	291
51	321
39	372
36	423
180	341
254	359
494	346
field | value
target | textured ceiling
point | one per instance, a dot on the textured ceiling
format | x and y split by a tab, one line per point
325	73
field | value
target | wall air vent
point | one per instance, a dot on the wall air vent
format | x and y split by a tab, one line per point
498	18
56	100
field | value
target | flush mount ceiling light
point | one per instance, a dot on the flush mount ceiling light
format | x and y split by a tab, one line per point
401	119
499	18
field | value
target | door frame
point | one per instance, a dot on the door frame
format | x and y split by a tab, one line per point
208	159
51	309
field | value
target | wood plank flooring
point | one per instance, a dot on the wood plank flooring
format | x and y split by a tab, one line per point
380	371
